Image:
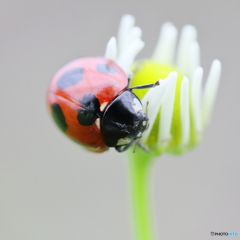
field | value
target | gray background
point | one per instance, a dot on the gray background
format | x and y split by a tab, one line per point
50	188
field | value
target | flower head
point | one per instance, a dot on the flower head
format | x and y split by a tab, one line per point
179	108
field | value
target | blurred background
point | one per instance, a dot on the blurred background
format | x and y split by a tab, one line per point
50	188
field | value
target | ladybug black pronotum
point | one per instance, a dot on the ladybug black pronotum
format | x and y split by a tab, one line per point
91	102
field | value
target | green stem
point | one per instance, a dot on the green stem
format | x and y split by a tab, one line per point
140	165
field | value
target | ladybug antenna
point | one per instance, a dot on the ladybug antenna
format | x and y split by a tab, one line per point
157	83
135	145
147	108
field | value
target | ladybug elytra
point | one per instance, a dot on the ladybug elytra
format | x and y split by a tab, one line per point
91	102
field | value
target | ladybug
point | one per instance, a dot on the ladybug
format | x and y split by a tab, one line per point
90	101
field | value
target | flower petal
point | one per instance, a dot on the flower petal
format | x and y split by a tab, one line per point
193	60
165	124
152	102
126	23
210	90
111	49
165	48
184	111
195	99
133	34
129	42
126	59
188	35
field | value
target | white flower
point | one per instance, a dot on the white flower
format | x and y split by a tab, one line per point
180	107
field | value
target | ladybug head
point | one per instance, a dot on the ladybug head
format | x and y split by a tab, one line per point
123	121
139	126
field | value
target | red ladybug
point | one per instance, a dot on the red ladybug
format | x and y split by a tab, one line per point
91	102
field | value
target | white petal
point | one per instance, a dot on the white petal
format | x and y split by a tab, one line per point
165	48
195	99
184	111
133	34
188	35
193	60
210	90
165	124
126	59
154	99
126	23
111	49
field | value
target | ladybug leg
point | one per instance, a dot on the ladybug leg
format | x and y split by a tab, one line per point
157	83
143	147
123	148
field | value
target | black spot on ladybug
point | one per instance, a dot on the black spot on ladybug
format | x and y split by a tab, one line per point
104	68
59	117
91	110
70	78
